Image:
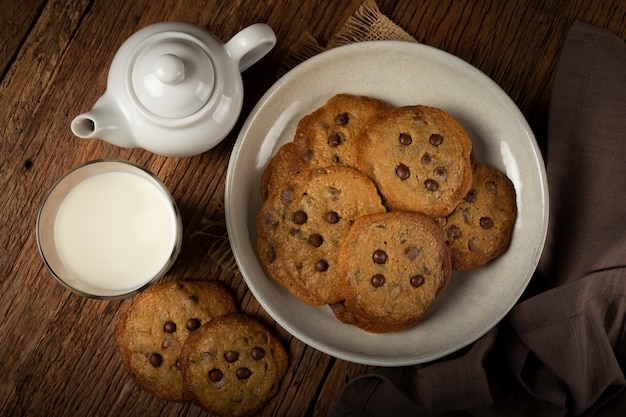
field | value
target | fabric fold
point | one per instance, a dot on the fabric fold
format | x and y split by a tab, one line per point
576	344
585	158
459	382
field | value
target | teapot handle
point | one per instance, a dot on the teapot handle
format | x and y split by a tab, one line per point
250	45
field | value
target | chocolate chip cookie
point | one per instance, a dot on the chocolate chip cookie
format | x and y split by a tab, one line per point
289	160
419	158
392	267
152	330
327	135
302	225
481	226
233	365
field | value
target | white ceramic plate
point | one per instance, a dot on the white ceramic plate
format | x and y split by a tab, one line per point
402	74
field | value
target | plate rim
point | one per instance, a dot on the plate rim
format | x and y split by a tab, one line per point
237	149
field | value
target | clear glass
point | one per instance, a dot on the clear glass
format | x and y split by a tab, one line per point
47	217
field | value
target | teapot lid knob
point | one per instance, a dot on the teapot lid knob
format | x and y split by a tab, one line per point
169	69
171	74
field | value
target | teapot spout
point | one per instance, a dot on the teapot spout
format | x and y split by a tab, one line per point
104	123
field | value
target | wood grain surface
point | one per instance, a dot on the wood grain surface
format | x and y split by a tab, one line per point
57	350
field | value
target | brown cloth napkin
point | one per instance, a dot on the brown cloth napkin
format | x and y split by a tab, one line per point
562	350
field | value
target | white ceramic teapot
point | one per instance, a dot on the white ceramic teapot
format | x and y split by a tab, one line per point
174	89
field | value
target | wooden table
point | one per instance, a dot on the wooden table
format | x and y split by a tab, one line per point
57	350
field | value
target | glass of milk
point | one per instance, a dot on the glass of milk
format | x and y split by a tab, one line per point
108	229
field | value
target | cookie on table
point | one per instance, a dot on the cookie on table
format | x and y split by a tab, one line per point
233	365
327	135
152	330
302	225
480	227
392	267
419	158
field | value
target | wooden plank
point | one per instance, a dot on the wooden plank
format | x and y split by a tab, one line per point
59	355
16	20
29	305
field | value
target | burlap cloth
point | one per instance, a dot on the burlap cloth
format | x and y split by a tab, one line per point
366	24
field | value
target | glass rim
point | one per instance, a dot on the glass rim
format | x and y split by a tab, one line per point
122	294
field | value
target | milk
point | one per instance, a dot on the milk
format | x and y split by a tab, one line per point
115	231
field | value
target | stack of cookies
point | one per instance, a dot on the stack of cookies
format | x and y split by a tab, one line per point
370	207
187	341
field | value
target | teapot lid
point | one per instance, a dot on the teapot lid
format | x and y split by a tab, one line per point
171	74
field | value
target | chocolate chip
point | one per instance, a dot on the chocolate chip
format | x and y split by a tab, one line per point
342	119
486	222
331	217
321	265
441	173
467	216
453	232
258	353
470	197
243	373
405	139
378	280
435	139
316	240
156	360
417	280
491	186
308	156
286	196
271	221
332	193
215	375
194	298
418	119
192	324
426	159
300	217
412	253
431	185
472	243
403	172
271	254
169	327
379	256
231	356
334	140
